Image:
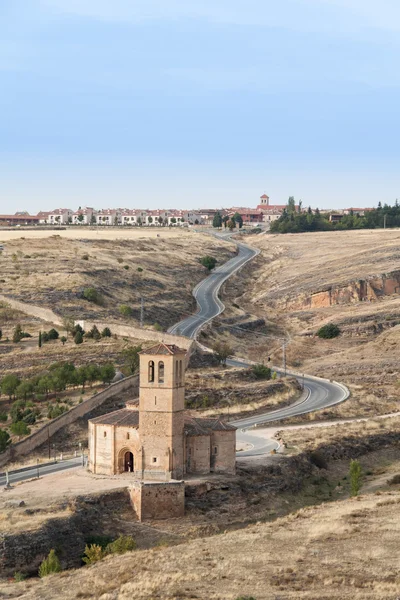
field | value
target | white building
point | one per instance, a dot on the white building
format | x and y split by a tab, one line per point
108	216
84	216
59	216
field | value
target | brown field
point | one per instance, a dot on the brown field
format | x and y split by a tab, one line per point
52	271
343	550
277	288
93	233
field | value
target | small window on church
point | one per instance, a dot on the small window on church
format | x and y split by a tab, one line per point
215	449
160	372
154	459
105	434
151	371
127	436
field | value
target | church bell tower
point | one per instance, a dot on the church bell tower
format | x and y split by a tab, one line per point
161	411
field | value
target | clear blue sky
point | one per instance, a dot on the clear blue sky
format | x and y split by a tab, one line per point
185	103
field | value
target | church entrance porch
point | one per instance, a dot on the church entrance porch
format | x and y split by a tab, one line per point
126	461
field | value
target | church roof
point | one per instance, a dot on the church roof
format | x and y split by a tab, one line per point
196	426
124	417
164	349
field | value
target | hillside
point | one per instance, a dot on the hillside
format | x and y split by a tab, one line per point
299	283
54	270
343	550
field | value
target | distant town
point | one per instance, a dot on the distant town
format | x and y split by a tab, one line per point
265	212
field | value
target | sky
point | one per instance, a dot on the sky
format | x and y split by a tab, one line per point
198	103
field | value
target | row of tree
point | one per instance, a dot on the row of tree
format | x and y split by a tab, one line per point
294	220
226	221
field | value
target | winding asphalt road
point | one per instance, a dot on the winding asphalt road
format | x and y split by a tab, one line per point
318	393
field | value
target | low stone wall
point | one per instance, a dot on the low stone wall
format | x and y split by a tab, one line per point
158	500
41	436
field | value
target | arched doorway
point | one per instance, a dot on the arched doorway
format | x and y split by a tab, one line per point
128	462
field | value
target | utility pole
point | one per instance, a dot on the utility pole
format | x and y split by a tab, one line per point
141	312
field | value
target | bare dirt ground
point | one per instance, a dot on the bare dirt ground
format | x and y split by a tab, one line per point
93	233
123	266
289	269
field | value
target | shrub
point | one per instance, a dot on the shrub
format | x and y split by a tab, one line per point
93	554
3	417
94	333
158	327
318	460
63	339
49	565
17	334
222	352
20	428
120	260
125	310
53	334
261	371
78	339
140	269
208	261
126	267
355	473
18	576
4	440
93	295
274	375
328	331
56	410
395	480
124	543
106	332
85	256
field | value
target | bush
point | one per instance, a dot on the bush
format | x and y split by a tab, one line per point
78	339
124	543
63	339
49	565
18	576
3	417
93	295
158	327
20	428
4	440
395	480
55	410
85	256
106	332
93	554
208	261
261	371
355	473
328	332
17	334
318	460
120	260
125	310
140	269
126	267
93	333
53	334
222	352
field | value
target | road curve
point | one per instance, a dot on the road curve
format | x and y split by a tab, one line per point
206	293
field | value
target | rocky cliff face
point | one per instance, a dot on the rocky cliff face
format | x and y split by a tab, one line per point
362	290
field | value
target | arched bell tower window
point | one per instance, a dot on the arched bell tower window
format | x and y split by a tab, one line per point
151	371
177	372
161	372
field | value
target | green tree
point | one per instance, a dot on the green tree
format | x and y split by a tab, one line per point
78	339
5	440
208	261
124	543
238	219
131	358
217	220
40	339
328	331
160	220
9	384
24	389
20	428
93	373
17	410
82	376
53	334
355	477
225	219
93	295
222	351
106	332
149	220
231	224
173	221
50	565
125	310
93	553
261	371
63	339
18	334
107	373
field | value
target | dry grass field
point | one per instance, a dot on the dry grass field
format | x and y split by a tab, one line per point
292	268
342	551
122	266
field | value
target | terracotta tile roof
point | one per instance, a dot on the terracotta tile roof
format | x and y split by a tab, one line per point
264	196
164	349
197	426
125	417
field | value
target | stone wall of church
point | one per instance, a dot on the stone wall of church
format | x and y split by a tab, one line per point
108	445
223	451
155	500
198	454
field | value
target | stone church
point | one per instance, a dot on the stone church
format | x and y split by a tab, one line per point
155	439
